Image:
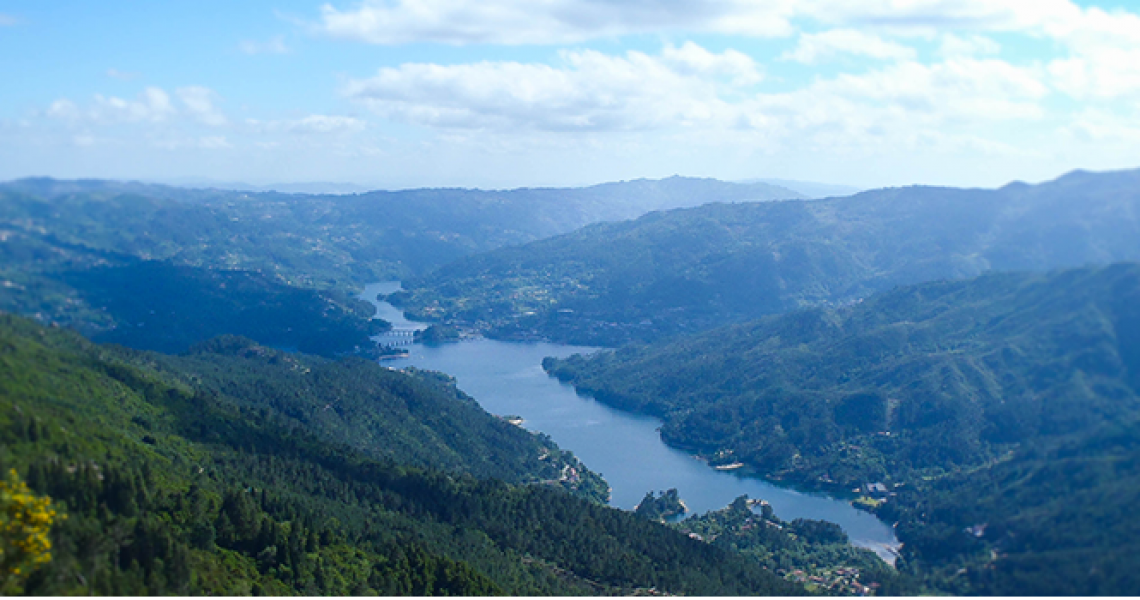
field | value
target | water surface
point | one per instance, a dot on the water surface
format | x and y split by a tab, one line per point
507	379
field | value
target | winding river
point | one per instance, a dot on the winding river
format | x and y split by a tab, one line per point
507	379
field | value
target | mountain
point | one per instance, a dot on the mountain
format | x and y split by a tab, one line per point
688	270
1003	411
152	475
956	372
810	189
326	240
158	305
161	268
1050	519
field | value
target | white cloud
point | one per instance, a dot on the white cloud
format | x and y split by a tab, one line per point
817	47
569	21
312	124
275	45
953	100
546	21
121	75
690	88
8	20
589	91
953	46
1098	126
64	109
213	142
1104	59
199	103
933	16
691	59
153	105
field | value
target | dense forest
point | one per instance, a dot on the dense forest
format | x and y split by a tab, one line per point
152	476
693	269
998	415
160	305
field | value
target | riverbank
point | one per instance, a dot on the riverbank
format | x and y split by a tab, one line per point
507	378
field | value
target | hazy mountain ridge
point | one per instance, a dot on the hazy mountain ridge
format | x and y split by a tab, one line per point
53	233
691	269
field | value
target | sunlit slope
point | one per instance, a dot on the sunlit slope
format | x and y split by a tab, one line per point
693	269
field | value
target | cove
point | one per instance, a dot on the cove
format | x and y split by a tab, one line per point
506	378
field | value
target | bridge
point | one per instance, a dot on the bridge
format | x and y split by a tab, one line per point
397	336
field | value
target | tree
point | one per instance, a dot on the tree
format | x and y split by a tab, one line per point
25	522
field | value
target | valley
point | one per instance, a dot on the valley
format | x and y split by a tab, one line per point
570	298
829	387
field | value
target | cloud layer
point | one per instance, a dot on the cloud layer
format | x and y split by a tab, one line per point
707	87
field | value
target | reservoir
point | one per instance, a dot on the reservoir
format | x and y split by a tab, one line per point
506	378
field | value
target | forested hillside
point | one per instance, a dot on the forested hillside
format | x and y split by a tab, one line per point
159	305
331	241
170	481
694	269
928	377
162	268
1008	402
1053	518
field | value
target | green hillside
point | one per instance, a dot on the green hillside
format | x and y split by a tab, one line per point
1010	400
1053	518
161	268
328	241
695	269
169	480
956	372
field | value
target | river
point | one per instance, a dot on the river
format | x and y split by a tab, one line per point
507	379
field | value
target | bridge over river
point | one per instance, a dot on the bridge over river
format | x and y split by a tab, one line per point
397	336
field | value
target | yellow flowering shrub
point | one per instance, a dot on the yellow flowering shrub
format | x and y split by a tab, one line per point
25	522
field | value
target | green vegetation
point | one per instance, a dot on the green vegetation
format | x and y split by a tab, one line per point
100	256
661	508
690	270
908	383
25	523
179	475
331	241
815	553
417	418
437	334
159	305
1001	411
1054	518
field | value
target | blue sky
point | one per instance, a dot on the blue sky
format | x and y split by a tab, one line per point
507	93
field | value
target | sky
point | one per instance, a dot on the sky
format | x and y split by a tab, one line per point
512	93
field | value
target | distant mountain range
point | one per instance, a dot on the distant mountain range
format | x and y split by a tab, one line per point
810	189
55	232
692	269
